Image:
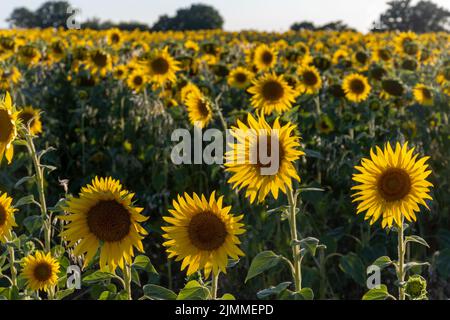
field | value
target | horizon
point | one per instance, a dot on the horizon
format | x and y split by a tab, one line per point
270	16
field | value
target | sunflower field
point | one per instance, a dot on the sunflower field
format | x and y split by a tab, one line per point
92	205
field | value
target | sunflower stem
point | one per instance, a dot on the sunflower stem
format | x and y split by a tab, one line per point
295	246
214	285
12	266
127	280
39	172
401	262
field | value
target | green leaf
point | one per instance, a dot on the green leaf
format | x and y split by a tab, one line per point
273	290
64	293
414	264
383	262
33	223
306	293
26	200
143	262
98	276
352	265
24	180
228	296
262	262
416	239
310	244
135	277
377	293
159	293
193	291
106	295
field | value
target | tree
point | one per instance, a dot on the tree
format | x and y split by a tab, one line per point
22	18
304	25
49	14
425	16
196	17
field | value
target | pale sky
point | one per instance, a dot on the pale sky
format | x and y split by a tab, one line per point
267	15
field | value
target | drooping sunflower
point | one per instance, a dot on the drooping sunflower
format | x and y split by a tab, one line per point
264	57
272	93
7	220
30	116
8	128
40	271
137	80
310	81
240	78
162	67
356	87
254	173
391	88
199	109
203	234
103	216
423	94
391	185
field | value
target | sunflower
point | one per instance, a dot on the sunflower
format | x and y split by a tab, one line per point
103	216
356	87
162	67
391	185
114	37
272	93
391	88
120	72
264	57
187	90
99	62
199	109
29	55
423	94
240	78
406	43
30	116
57	50
136	80
310	81
40	271
7	220
203	234
8	128
243	161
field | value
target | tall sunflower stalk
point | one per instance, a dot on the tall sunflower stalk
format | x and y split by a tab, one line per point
296	254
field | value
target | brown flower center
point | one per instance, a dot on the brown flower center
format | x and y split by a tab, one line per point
267	57
272	90
240	77
310	78
26	117
6	127
100	59
394	184
137	80
43	271
160	65
2	216
266	151
109	221
206	231
203	108
357	86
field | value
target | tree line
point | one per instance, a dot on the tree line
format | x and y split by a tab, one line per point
402	15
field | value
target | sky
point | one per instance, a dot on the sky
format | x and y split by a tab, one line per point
263	15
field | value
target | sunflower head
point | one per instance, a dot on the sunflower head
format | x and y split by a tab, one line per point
7	220
199	109
8	128
264	57
392	88
240	78
202	234
272	93
136	80
262	159
356	87
423	94
100	62
161	66
40	271
31	118
103	216
392	183
310	81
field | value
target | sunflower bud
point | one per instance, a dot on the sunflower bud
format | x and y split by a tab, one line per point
416	288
